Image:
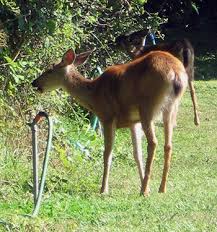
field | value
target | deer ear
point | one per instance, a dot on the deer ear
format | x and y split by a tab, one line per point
81	58
69	57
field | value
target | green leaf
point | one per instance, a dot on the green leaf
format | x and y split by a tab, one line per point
18	78
141	2
21	23
51	25
8	59
92	19
47	42
195	7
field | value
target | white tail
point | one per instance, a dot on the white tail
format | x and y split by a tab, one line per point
123	96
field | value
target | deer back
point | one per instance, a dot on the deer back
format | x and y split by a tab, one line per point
132	44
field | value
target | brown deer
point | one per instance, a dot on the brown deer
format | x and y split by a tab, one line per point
133	44
121	97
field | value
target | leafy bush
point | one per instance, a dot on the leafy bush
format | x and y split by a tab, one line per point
36	33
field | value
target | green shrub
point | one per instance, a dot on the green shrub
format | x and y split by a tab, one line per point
39	32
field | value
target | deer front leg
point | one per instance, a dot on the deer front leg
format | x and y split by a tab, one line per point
168	131
109	134
136	136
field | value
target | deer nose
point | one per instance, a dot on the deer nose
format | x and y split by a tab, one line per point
34	83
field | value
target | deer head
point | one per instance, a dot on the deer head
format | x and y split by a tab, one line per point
131	42
56	76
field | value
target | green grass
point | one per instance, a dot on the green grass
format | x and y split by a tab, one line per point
72	201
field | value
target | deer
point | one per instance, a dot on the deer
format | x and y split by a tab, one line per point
123	96
133	45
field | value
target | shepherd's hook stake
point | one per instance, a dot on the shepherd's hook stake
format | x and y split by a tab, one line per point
38	188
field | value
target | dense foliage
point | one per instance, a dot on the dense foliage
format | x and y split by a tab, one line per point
34	34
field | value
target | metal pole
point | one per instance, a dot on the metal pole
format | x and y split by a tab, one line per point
35	162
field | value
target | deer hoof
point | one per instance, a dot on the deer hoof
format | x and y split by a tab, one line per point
162	189
104	191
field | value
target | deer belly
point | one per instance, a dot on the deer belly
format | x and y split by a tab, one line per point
134	115
128	118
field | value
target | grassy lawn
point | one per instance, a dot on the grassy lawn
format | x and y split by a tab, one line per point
72	201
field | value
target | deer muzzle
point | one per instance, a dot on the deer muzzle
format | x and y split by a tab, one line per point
36	86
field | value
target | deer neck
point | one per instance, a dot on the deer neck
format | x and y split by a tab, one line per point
81	89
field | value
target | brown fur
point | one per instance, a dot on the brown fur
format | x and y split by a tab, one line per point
182	49
124	95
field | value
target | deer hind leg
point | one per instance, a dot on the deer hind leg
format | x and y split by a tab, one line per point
194	101
148	127
168	131
136	135
109	134
174	115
